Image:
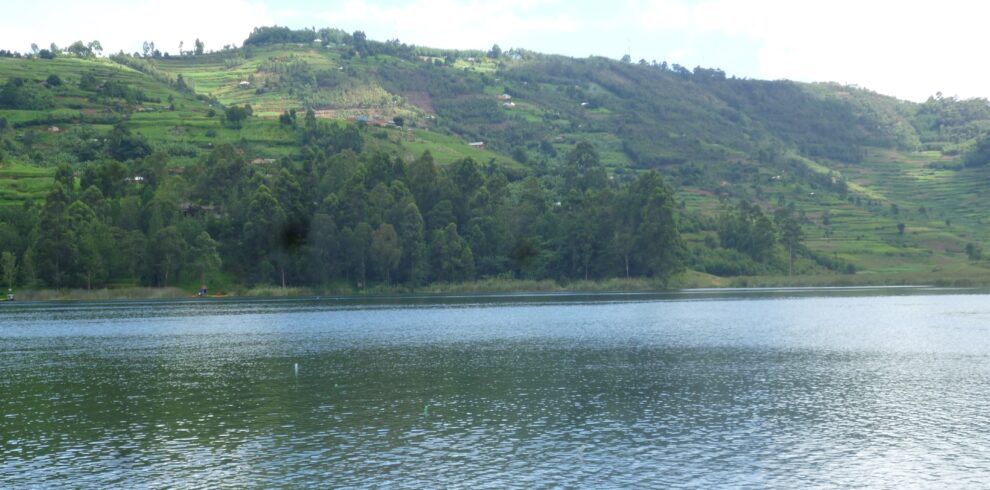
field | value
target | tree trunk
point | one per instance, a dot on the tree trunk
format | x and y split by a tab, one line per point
282	270
790	264
626	256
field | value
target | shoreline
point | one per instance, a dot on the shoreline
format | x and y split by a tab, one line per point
690	281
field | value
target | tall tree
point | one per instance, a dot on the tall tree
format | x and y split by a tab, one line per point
386	251
790	234
412	235
322	246
262	234
56	247
168	249
8	266
583	168
205	256
451	255
93	244
659	245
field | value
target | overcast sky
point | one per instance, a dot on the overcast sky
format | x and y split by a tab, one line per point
907	49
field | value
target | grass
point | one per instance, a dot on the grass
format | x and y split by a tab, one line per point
978	277
100	294
19	183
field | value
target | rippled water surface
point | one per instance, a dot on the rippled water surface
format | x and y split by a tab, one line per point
786	389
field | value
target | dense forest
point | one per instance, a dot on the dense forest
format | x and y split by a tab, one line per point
338	215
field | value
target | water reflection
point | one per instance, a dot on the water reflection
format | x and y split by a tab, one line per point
751	391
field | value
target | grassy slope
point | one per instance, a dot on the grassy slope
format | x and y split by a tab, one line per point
718	127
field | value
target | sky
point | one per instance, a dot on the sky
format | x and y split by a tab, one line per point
907	49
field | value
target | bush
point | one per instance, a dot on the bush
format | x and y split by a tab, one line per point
18	93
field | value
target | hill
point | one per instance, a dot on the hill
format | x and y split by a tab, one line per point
889	189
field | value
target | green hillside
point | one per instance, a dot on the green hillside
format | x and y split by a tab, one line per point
888	189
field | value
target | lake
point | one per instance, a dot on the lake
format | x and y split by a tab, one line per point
879	388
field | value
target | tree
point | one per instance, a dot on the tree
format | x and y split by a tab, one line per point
200	47
8	267
495	52
356	245
323	243
974	252
236	115
262	234
386	251
18	93
360	41
584	169
451	255
980	153
92	242
56	247
659	241
205	257
124	145
132	249
65	177
411	232
790	234
79	50
167	251
745	228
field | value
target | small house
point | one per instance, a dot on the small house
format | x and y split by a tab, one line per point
262	161
508	105
504	97
477	144
54	129
244	84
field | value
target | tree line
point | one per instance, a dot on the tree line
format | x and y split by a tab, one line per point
338	214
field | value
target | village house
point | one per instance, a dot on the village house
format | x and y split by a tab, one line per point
477	144
244	84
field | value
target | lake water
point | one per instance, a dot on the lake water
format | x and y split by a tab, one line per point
780	389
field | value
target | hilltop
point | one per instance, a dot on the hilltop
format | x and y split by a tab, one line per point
889	189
